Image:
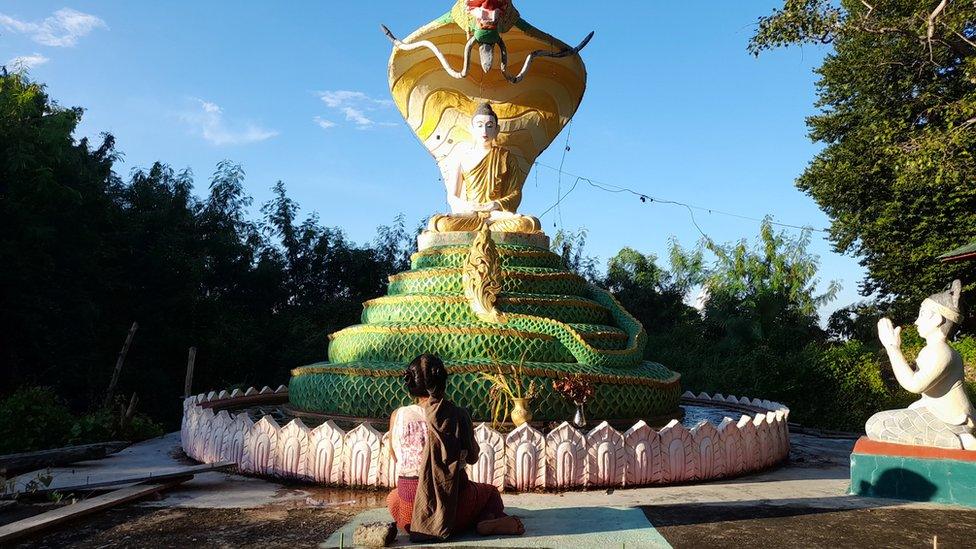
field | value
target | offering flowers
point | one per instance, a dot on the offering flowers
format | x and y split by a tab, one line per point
574	388
577	390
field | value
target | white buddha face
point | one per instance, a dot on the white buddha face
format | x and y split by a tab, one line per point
484	129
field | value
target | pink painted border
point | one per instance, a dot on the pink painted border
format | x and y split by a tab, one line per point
758	439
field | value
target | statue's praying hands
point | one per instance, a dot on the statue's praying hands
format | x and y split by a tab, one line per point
889	335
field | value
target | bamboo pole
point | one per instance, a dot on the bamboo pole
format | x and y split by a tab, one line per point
128	412
190	360
110	394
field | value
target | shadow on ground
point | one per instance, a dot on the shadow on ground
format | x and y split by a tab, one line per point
690	514
845	521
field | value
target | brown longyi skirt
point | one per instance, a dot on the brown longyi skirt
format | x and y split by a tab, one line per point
477	502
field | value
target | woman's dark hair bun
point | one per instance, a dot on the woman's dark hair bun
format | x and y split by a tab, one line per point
426	376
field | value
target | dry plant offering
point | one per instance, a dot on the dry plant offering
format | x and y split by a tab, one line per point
506	384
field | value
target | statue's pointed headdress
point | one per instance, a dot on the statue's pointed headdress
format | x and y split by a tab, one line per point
947	303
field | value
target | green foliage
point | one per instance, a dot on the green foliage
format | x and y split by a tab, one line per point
33	418
105	425
826	385
570	246
85	254
857	321
776	266
799	21
653	295
54	208
897	100
760	295
849	375
967	348
758	331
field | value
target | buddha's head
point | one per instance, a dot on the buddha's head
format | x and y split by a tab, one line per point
940	312
484	125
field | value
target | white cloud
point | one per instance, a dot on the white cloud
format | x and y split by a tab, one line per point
209	122
341	98
356	107
357	117
24	62
62	29
323	123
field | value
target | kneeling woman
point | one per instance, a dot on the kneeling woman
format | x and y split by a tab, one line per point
432	441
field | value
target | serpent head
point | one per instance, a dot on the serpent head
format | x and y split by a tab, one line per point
485	22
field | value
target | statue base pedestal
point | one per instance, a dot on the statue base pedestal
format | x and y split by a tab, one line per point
429	239
916	473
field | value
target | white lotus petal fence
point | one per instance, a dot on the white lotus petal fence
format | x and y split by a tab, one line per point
522	460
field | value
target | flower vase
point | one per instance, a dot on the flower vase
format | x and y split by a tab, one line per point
521	413
579	418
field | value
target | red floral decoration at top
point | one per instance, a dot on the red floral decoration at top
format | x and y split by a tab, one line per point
574	388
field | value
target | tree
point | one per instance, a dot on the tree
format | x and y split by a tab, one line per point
570	246
857	321
54	206
764	295
652	294
394	244
897	100
84	254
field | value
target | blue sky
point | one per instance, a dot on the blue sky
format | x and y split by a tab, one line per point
675	108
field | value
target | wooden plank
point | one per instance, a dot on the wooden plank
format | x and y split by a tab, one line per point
44	521
30	461
244	401
151	478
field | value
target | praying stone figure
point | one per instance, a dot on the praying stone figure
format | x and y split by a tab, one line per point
943	417
485	185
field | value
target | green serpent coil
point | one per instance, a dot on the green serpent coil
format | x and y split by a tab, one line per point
556	322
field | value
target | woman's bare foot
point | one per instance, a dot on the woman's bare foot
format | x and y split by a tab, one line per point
501	526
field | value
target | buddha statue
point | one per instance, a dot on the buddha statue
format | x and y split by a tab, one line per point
484	186
943	417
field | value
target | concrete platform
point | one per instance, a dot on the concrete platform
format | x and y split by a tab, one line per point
815	482
809	496
164	455
546	525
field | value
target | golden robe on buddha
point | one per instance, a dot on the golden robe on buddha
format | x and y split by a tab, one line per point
497	178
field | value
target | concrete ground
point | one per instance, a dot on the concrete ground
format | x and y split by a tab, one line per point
802	504
164	455
548	523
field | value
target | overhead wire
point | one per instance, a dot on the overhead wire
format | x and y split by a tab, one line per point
644	197
559	179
